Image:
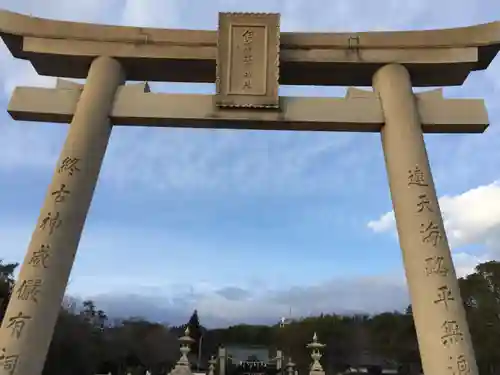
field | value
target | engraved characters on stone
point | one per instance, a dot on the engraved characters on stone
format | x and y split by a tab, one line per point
29	290
432	235
459	365
61	194
451	333
69	165
40	257
247	70
435	266
8	361
444	296
247	37
51	222
424	203
416	177
17	323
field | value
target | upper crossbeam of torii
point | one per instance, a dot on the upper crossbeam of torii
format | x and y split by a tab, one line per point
433	57
247	58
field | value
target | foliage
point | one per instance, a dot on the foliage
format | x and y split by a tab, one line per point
6	284
195	331
85	342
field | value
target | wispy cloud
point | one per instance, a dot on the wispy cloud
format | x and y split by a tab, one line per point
265	305
250	161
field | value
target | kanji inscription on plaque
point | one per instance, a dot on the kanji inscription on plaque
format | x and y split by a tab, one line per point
248	60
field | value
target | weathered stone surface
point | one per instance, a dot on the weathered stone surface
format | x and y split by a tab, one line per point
433	57
44	274
442	330
247	72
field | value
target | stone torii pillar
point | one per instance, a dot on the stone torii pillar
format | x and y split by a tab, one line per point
443	334
32	312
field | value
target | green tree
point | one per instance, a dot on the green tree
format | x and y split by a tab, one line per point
6	285
136	345
96	318
75	347
85	344
195	331
481	295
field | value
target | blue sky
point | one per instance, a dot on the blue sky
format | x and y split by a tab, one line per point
244	225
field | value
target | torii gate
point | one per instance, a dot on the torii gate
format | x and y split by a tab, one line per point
247	58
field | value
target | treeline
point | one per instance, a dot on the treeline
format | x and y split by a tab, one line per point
86	342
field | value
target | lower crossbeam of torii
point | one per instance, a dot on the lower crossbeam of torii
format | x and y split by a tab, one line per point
245	59
359	111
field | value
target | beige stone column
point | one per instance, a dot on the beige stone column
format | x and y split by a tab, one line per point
442	330
32	312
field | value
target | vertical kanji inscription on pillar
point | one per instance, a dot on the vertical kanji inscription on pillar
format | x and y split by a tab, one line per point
248	60
32	312
443	336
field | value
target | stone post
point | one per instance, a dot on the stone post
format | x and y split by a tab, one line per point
222	359
279	360
32	312
442	330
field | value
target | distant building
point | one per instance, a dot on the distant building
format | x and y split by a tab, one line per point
366	362
248	353
250	360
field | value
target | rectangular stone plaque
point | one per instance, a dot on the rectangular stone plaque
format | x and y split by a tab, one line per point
248	60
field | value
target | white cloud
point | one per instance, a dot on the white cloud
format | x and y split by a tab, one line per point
236	161
474	216
217	307
384	223
373	295
465	262
470	218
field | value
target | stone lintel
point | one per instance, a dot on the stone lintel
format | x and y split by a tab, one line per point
138	88
436	66
68	85
433	57
356	93
357	114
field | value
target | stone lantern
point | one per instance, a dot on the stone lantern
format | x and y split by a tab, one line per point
315	346
182	367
